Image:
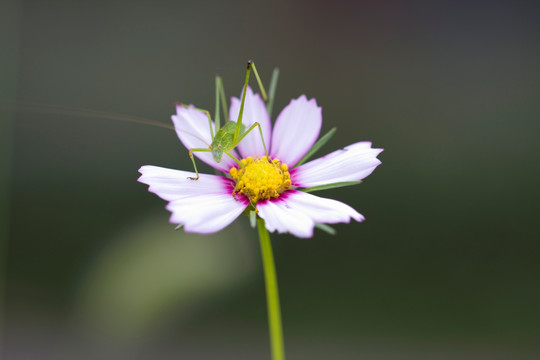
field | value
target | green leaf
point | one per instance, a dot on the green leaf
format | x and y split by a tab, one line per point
272	91
331	186
320	143
325	228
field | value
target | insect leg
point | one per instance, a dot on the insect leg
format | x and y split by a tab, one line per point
263	92
191	151
247	132
241	112
234	158
250	65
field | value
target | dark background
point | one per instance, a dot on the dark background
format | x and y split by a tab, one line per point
446	265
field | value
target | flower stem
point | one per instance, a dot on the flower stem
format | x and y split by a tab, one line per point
272	295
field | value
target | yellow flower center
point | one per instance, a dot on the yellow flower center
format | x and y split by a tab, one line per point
261	179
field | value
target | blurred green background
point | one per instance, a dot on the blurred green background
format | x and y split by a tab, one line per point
446	265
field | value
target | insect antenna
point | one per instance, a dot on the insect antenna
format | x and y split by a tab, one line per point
95	114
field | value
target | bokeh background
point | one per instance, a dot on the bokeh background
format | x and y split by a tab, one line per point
446	266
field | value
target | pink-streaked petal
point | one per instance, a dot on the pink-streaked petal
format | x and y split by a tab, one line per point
192	128
254	111
278	216
171	184
296	130
352	163
321	210
206	214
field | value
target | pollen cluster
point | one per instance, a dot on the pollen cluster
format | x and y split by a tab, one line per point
261	179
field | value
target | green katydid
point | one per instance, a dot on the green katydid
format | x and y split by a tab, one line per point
224	140
232	133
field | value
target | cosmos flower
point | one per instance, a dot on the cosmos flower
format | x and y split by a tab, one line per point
271	185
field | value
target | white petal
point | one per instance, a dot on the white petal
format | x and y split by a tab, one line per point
352	163
321	210
203	206
254	111
206	214
296	130
171	184
192	128
278	216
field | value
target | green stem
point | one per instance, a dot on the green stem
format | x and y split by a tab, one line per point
272	295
